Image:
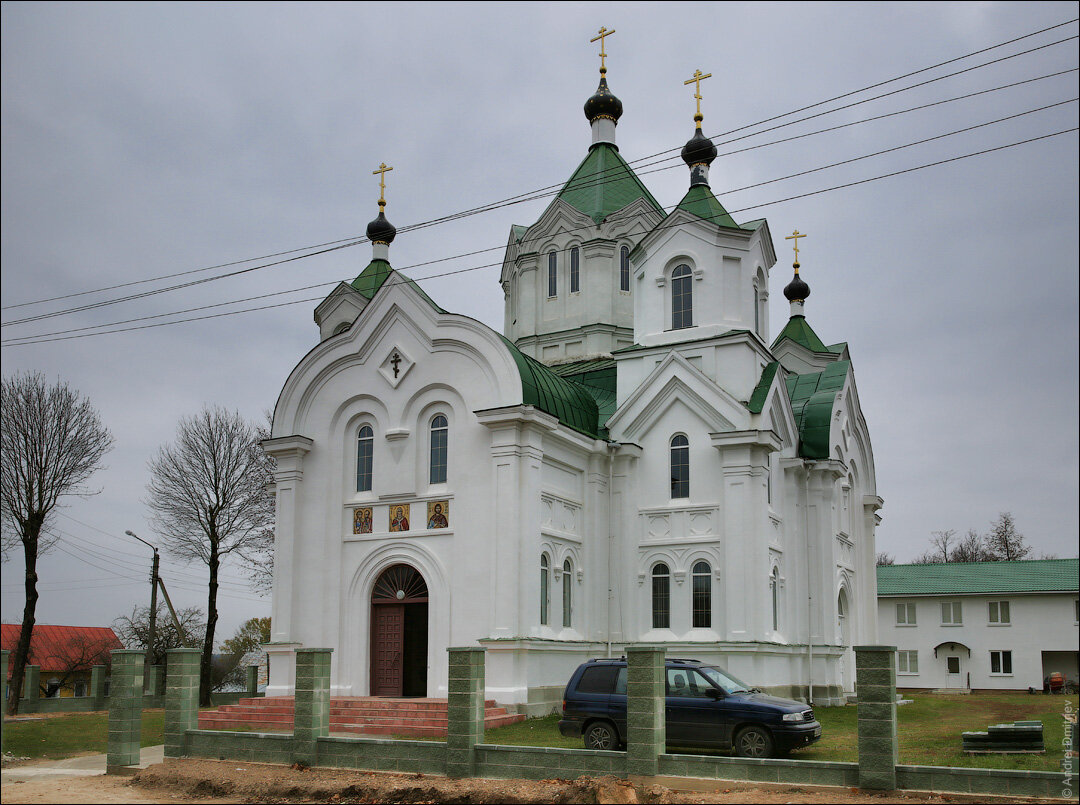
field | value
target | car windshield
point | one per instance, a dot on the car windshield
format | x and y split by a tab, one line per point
724	680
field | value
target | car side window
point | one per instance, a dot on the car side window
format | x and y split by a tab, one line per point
597	679
620	682
686	683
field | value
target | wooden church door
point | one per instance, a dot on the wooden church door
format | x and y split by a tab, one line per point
399	633
388	622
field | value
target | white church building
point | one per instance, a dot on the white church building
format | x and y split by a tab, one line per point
632	459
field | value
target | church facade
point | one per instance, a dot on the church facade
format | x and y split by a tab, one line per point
631	460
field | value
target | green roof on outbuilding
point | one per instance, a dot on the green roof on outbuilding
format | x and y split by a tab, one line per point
700	201
798	329
956	578
570	402
603	183
812	398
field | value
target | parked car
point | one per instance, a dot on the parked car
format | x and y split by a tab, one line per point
706	707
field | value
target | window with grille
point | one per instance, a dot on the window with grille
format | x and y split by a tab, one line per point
701	580
682	304
567	594
545	579
553	274
439	435
624	268
661	597
365	450
680	467
575	270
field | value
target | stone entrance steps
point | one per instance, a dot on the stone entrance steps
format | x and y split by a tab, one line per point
356	715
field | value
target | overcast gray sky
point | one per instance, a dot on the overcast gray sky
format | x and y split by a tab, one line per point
145	140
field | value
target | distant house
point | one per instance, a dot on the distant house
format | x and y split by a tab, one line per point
997	625
65	655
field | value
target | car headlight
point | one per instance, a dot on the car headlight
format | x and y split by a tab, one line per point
795	716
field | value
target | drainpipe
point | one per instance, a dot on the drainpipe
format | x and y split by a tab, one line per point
809	590
611	537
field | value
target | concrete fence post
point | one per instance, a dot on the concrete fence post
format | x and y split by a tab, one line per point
875	687
31	689
311	708
181	698
252	680
646	733
125	710
155	685
98	674
466	685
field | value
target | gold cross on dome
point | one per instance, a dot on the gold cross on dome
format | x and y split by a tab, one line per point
795	236
696	80
600	36
381	171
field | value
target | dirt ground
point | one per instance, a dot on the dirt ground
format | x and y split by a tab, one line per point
211	781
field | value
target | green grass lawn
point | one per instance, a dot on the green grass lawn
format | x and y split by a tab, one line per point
64	736
929	730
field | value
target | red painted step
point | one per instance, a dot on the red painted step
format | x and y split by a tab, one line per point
355	715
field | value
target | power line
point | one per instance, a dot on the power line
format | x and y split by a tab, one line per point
347	242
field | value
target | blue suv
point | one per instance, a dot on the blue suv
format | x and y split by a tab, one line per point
706	707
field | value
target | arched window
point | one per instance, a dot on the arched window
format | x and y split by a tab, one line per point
624	268
365	450
575	270
567	594
757	308
439	431
774	592
680	467
545	578
701	577
661	597
553	274
682	303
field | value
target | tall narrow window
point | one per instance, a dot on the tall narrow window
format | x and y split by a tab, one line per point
680	467
702	595
438	449
682	303
624	268
553	274
567	594
661	597
757	309
774	593
545	577
575	270
365	448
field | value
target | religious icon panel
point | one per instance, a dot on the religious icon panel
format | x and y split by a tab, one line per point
438	514
399	517
362	520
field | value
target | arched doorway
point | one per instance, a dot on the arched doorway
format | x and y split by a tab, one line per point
399	633
843	628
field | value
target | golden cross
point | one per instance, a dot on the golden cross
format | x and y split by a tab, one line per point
696	79
600	36
795	236
382	169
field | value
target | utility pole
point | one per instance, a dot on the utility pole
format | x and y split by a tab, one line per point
153	604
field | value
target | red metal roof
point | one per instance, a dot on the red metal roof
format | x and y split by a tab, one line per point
61	647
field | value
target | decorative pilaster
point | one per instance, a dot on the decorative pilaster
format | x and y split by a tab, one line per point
125	710
181	698
646	734
464	709
311	714
875	686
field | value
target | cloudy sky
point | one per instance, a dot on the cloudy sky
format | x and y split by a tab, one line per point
141	141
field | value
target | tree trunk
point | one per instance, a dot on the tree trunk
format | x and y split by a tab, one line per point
206	663
22	651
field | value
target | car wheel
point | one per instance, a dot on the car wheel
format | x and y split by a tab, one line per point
601	735
753	742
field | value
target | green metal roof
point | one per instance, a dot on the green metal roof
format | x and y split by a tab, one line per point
761	391
812	398
603	183
598	376
518	232
376	274
953	578
564	399
700	201
800	331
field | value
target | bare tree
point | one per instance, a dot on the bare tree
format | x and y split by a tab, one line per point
883	559
75	658
134	630
941	540
258	560
52	442
207	494
1004	542
970	548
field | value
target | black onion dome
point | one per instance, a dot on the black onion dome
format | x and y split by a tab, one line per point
380	230
796	290
603	104
699	150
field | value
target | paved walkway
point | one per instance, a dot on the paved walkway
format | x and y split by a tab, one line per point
84	766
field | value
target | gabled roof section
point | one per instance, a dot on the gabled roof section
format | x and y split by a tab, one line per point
570	402
376	274
812	399
953	578
603	183
798	329
57	647
700	201
598	377
517	231
761	390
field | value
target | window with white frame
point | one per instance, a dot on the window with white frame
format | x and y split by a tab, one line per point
682	298
905	614
567	594
701	603
952	613
680	467
999	613
1001	663
365	451
907	662
661	597
545	580
437	457
774	594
